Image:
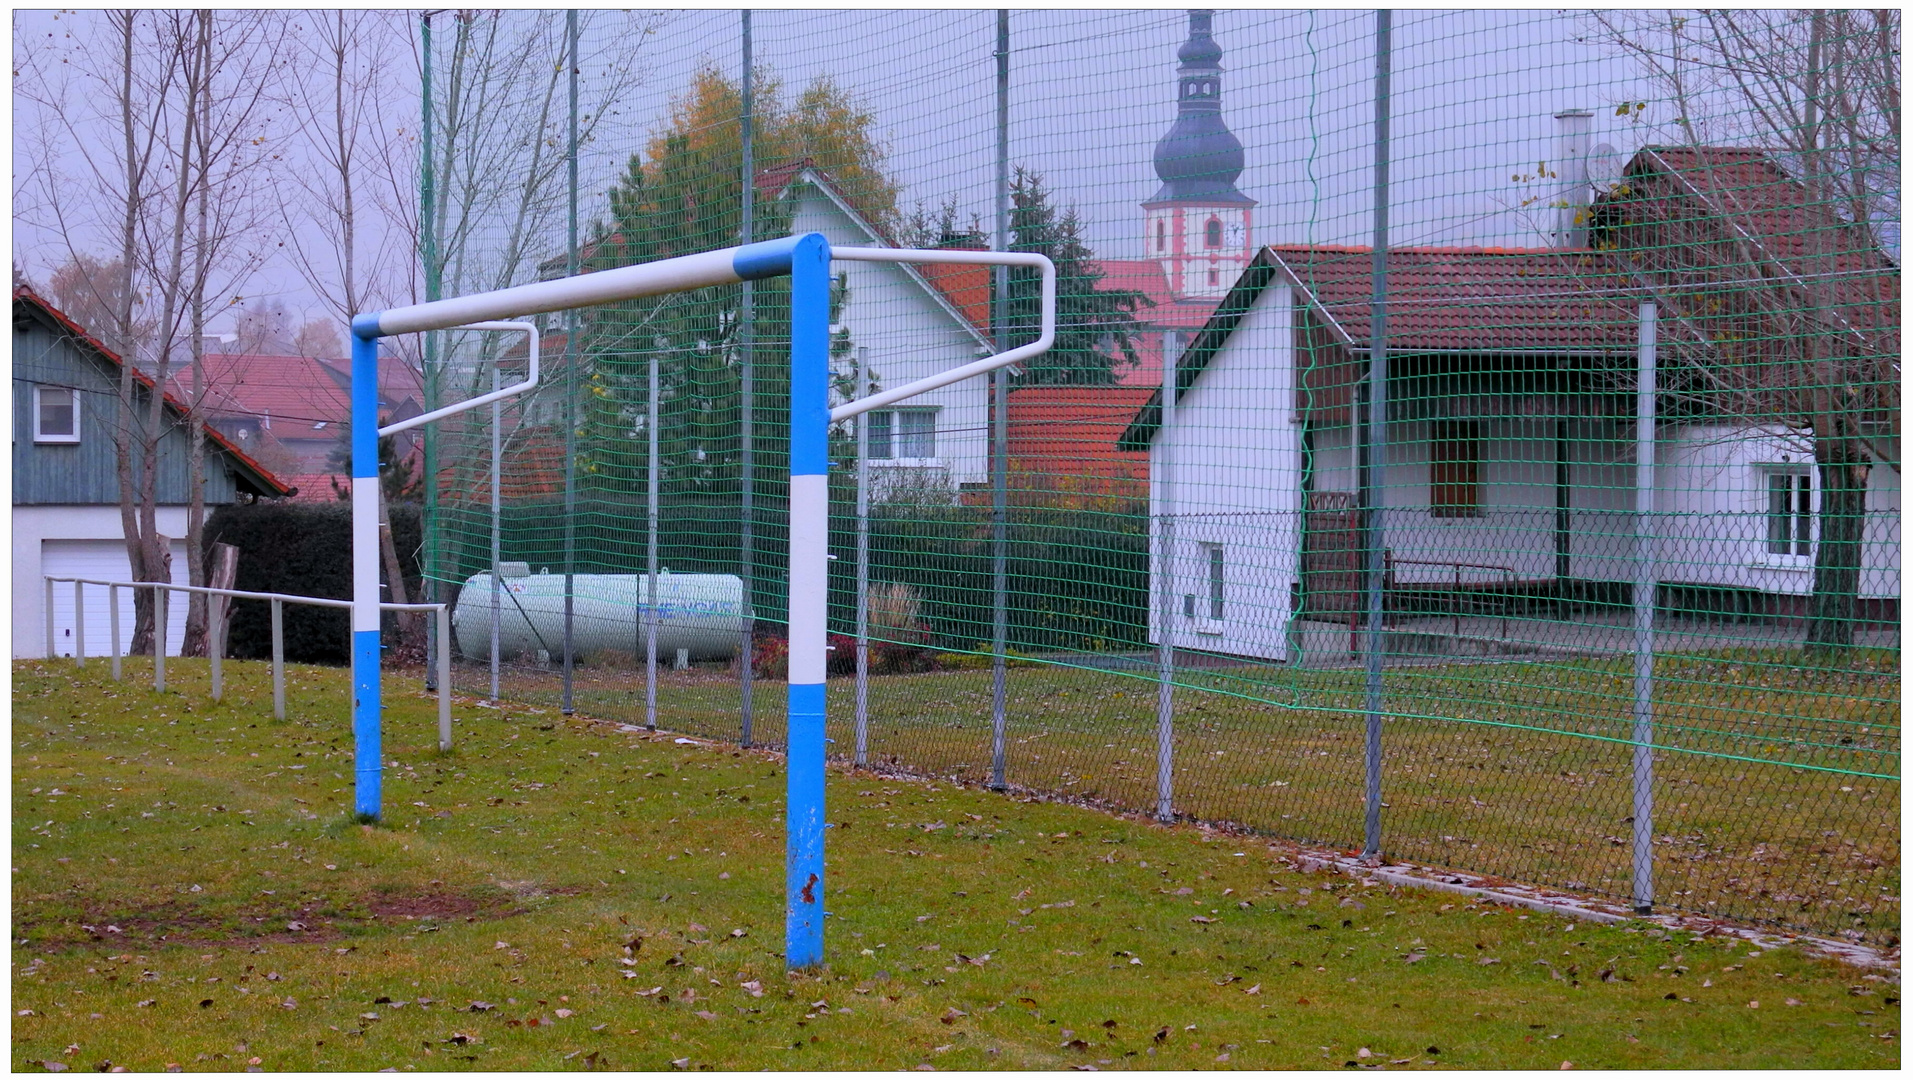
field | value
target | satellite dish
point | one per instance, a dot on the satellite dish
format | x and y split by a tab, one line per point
1604	166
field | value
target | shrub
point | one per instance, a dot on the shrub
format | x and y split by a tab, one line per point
303	549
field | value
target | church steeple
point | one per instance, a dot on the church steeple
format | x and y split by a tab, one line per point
1199	157
1197	224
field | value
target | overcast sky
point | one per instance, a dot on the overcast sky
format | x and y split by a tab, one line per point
1092	91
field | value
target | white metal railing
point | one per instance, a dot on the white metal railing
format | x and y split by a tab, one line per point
216	633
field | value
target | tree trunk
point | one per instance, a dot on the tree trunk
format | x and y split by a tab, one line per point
394	574
196	642
1836	562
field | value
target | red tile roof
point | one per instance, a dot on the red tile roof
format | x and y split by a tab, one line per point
1072	431
290	390
1773	227
1484	300
24	295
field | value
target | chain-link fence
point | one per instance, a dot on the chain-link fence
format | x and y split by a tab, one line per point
1561	544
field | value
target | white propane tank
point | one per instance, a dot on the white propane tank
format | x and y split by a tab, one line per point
698	612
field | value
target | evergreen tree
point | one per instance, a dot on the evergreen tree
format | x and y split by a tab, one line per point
1095	326
683	197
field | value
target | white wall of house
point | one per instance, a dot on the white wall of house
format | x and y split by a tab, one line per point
1235	456
59	538
1712	496
909	335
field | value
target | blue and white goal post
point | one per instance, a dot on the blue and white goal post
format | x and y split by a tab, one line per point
806	259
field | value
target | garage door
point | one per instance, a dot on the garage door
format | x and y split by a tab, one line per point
104	560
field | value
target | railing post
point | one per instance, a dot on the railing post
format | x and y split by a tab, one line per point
49	618
79	624
159	637
443	621
278	659
113	625
215	647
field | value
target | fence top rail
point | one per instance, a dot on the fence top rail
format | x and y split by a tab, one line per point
290	598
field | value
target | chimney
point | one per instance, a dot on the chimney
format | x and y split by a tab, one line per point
1572	130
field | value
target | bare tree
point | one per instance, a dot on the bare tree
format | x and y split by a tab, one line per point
165	192
500	129
351	219
1764	230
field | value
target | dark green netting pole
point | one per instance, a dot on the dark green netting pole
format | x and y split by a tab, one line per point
1374	446
428	255
747	557
572	322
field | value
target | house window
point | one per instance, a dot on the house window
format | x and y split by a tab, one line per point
902	433
1215	580
1789	512
1212	233
1215	276
1162	236
56	414
1454	469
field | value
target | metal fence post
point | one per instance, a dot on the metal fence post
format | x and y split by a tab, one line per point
999	425
746	476
444	622
651	485
861	725
279	659
1374	475
497	537
1645	588
1163	494
79	624
113	625
572	324
159	638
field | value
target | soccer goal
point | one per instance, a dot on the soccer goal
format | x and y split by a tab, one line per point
806	260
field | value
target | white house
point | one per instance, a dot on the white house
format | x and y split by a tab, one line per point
66	517
908	322
1509	464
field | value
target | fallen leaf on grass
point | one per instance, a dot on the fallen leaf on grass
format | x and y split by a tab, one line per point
563	1013
753	988
482	1006
703	1014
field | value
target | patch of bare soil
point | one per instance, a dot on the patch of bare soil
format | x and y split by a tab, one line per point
316	923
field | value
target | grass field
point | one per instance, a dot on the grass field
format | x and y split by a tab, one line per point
1777	790
554	894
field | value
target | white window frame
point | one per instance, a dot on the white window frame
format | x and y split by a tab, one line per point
1792	559
895	439
56	438
1207	608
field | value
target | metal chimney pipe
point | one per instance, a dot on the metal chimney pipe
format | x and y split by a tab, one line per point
1573	129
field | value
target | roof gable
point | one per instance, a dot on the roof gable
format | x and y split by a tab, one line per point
26	301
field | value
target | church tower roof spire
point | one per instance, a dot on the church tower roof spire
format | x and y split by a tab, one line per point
1199	157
